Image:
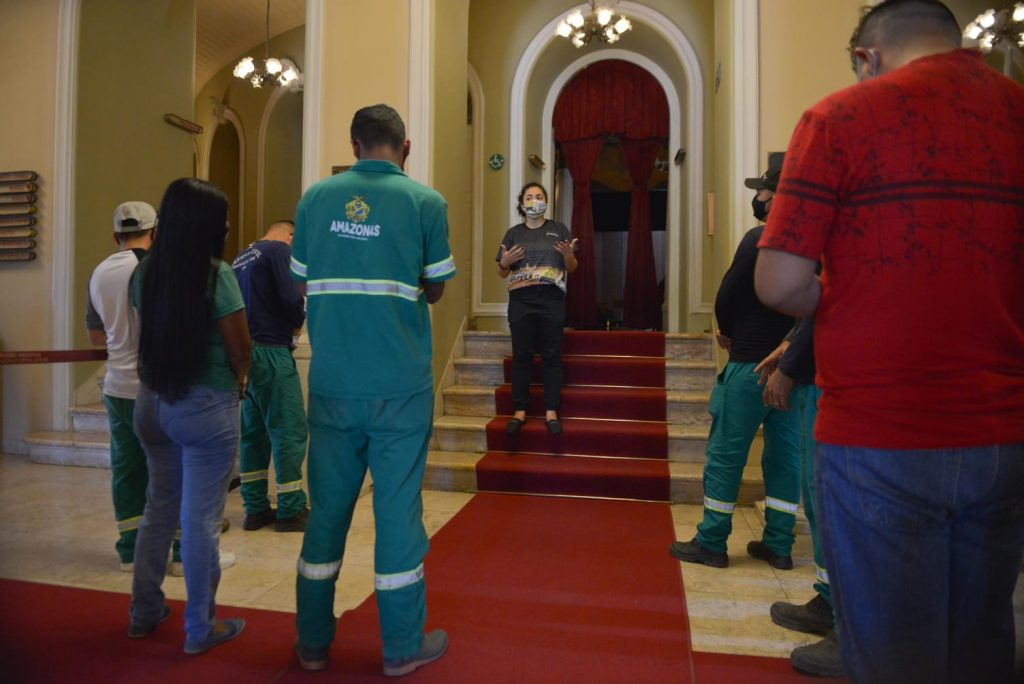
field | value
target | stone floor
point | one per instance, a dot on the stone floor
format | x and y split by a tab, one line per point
62	532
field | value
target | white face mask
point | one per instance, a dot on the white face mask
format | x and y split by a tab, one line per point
535	210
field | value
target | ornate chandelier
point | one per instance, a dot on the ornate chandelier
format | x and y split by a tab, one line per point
272	71
996	26
603	23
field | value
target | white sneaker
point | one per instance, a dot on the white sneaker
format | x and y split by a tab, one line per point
227	560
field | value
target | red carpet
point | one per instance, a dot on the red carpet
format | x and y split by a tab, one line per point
572	476
613	405
530	589
627	403
603	370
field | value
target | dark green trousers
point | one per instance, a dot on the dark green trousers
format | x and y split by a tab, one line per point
273	425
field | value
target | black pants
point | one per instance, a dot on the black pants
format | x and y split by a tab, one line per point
536	318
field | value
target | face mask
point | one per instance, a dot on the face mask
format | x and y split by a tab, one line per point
535	210
760	209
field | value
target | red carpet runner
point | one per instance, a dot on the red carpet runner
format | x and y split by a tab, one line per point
594	598
615	439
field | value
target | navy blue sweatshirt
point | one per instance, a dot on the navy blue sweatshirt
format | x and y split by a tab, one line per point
272	306
755	330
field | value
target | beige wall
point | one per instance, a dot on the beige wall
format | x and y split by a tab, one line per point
365	62
450	168
283	177
124	149
28	51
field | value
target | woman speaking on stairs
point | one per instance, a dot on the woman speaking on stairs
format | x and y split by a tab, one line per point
536	256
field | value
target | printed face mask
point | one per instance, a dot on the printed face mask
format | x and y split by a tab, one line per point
535	210
760	209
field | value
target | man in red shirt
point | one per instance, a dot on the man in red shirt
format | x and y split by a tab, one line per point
909	187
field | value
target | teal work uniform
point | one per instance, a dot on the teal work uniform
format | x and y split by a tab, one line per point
364	240
807	410
737	410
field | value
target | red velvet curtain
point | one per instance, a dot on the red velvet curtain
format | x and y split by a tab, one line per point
641	304
611	97
581	305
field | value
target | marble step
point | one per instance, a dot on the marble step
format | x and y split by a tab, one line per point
684	408
692	346
680	374
89	449
456	471
90	418
686	444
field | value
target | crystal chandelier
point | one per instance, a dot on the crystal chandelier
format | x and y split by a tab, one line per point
996	26
272	71
603	23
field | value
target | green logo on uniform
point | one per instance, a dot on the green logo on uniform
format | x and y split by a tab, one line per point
357	210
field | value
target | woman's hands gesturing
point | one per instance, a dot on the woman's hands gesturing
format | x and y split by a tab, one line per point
510	256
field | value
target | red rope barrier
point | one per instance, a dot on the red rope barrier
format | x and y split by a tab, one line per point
68	356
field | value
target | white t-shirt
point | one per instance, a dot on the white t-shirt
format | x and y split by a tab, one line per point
108	309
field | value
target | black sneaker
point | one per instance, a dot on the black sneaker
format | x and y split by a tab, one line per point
137	630
823	659
758	550
296	523
259	520
813	617
692	552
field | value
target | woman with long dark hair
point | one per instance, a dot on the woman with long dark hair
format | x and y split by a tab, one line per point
536	256
194	353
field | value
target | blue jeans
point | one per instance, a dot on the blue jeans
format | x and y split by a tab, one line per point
190	449
923	549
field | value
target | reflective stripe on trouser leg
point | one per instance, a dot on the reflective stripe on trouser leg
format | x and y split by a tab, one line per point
253	452
128	474
280	394
397	456
808	492
337	466
780	465
736	412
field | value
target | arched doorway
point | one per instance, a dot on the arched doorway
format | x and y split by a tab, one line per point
225	171
611	124
279	166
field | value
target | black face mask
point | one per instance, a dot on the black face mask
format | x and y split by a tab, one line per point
760	209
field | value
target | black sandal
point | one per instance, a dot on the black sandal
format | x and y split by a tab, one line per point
514	425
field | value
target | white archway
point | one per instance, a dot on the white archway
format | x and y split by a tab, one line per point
672	229
694	145
224	115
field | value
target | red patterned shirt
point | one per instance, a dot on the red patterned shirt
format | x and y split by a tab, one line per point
910	189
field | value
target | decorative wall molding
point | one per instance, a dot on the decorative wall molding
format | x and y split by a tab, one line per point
693	100
224	115
478	306
311	92
746	120
419	124
62	233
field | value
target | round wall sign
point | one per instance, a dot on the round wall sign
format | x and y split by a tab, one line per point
496	162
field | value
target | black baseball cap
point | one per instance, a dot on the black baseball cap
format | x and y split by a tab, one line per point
769	180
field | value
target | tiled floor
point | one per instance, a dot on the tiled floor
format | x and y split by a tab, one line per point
58	528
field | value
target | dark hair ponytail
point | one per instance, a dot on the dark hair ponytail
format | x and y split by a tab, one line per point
178	281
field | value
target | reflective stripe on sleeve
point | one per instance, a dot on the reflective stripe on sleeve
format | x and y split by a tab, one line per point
298	268
719	506
780	505
289	487
821	574
354	286
254	476
398	580
129	524
439	269
318	571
